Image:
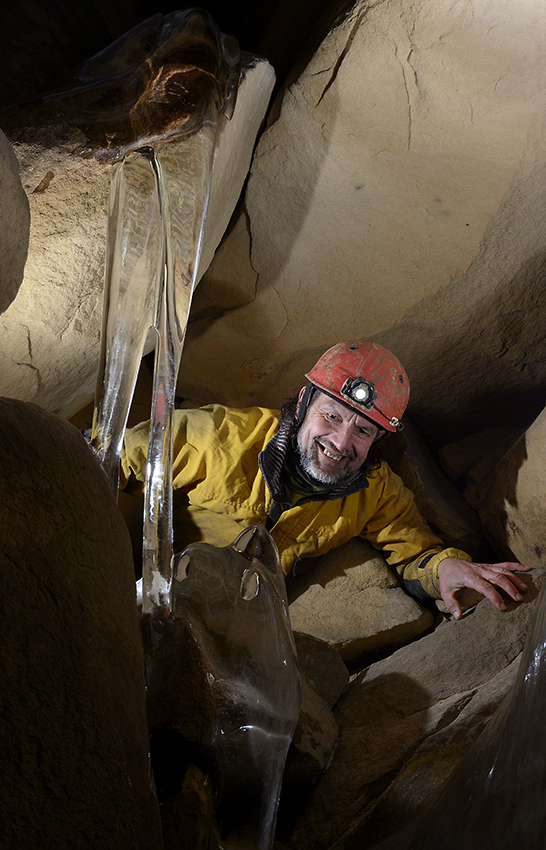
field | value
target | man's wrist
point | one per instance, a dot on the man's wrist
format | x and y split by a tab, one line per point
450	552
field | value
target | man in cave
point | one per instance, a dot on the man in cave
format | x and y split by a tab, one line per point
313	476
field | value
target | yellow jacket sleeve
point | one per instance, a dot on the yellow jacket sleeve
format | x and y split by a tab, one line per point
408	544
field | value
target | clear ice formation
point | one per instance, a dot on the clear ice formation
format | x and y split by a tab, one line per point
494	800
164	78
234	598
151	103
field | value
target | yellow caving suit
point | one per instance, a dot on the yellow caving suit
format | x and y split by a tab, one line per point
227	467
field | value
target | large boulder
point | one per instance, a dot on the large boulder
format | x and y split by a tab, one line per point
399	195
406	722
513	510
51	333
439	501
14	225
352	600
74	738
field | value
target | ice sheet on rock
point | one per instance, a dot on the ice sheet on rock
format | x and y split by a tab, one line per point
234	599
494	798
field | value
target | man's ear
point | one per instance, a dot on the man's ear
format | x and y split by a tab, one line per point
300	398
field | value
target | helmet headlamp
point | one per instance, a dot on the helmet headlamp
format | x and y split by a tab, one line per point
360	391
381	396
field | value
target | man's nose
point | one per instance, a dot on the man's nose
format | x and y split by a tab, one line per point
342	437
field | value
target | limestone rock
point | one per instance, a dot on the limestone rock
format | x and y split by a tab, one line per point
320	663
180	696
433	761
314	737
513	512
14	225
324	677
74	739
351	599
389	200
51	331
471	462
391	708
440	503
187	819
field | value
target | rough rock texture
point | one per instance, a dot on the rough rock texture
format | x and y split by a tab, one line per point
74	740
513	512
323	666
440	503
324	678
471	462
14	225
409	719
400	196
188	818
314	737
51	332
353	600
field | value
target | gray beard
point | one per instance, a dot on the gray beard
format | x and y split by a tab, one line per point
310	466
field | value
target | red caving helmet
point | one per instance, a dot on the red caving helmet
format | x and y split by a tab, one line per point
366	377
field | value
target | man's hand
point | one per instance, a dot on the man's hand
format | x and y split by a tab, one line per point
455	575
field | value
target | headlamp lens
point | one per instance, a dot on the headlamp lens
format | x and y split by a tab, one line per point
360	391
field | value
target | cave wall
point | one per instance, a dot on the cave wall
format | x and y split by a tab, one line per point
397	196
396	193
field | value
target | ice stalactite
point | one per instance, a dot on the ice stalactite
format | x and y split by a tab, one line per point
150	103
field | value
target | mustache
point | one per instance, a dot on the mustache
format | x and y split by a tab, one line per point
326	444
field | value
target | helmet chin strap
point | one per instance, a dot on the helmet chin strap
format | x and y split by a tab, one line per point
304	403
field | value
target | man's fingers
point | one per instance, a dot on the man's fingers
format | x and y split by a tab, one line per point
452	604
455	574
511	567
503	577
485	587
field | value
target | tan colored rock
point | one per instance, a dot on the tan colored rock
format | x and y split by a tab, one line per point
471	462
324	677
51	332
188	819
440	503
434	760
351	599
323	666
314	737
74	738
14	225
395	706
513	513
399	196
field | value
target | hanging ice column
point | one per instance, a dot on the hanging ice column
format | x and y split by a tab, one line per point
175	74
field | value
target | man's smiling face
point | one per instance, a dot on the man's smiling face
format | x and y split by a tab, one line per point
333	442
